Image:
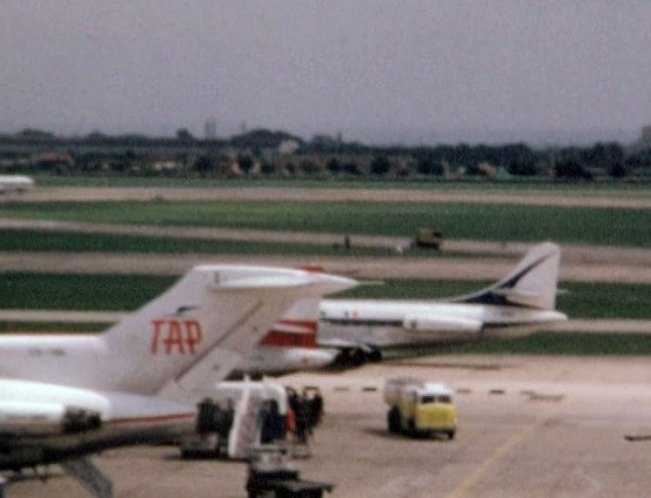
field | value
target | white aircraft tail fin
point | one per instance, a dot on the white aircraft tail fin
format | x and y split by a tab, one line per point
532	284
220	308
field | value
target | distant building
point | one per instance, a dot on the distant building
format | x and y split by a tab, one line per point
210	129
645	139
288	147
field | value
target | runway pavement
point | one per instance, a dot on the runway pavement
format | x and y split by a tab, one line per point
528	426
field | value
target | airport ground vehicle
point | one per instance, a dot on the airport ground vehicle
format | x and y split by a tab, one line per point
231	414
427	238
272	474
420	408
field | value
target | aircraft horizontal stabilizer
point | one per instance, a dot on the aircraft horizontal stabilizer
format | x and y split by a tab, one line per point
245	278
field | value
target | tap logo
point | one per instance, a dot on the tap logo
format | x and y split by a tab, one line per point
179	336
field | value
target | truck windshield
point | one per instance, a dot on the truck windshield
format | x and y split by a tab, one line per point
431	398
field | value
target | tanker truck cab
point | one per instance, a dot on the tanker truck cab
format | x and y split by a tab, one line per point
420	408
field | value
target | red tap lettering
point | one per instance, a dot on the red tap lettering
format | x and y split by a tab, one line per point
155	339
193	334
175	336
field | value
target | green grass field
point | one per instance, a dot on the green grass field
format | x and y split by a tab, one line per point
508	185
125	293
34	240
550	343
50	327
603	226
128	292
598	226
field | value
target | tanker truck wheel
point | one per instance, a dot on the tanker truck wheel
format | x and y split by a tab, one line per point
393	420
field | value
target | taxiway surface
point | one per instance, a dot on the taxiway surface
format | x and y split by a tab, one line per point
528	426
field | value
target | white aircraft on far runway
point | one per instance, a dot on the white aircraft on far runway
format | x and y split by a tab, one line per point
63	397
15	183
360	329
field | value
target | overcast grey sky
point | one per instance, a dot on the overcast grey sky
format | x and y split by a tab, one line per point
375	70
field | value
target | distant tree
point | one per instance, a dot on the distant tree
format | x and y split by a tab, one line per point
34	134
268	168
617	170
184	135
603	155
323	144
97	136
380	166
334	166
203	165
351	168
260	139
428	164
309	167
245	163
521	168
518	159
639	160
290	168
571	169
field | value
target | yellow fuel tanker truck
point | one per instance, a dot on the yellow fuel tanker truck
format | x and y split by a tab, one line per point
420	408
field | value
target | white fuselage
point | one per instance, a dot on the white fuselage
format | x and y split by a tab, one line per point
276	360
384	323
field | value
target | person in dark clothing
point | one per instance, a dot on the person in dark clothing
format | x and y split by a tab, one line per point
317	408
302	420
207	417
273	423
226	418
228	415
292	398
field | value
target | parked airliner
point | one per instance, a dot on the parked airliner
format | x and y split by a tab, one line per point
63	397
361	329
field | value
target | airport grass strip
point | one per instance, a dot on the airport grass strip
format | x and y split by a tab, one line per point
508	185
44	241
555	343
51	327
542	343
598	226
44	291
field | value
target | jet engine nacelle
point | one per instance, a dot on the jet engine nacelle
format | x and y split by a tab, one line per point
425	323
34	418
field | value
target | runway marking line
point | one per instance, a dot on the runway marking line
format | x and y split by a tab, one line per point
496	456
